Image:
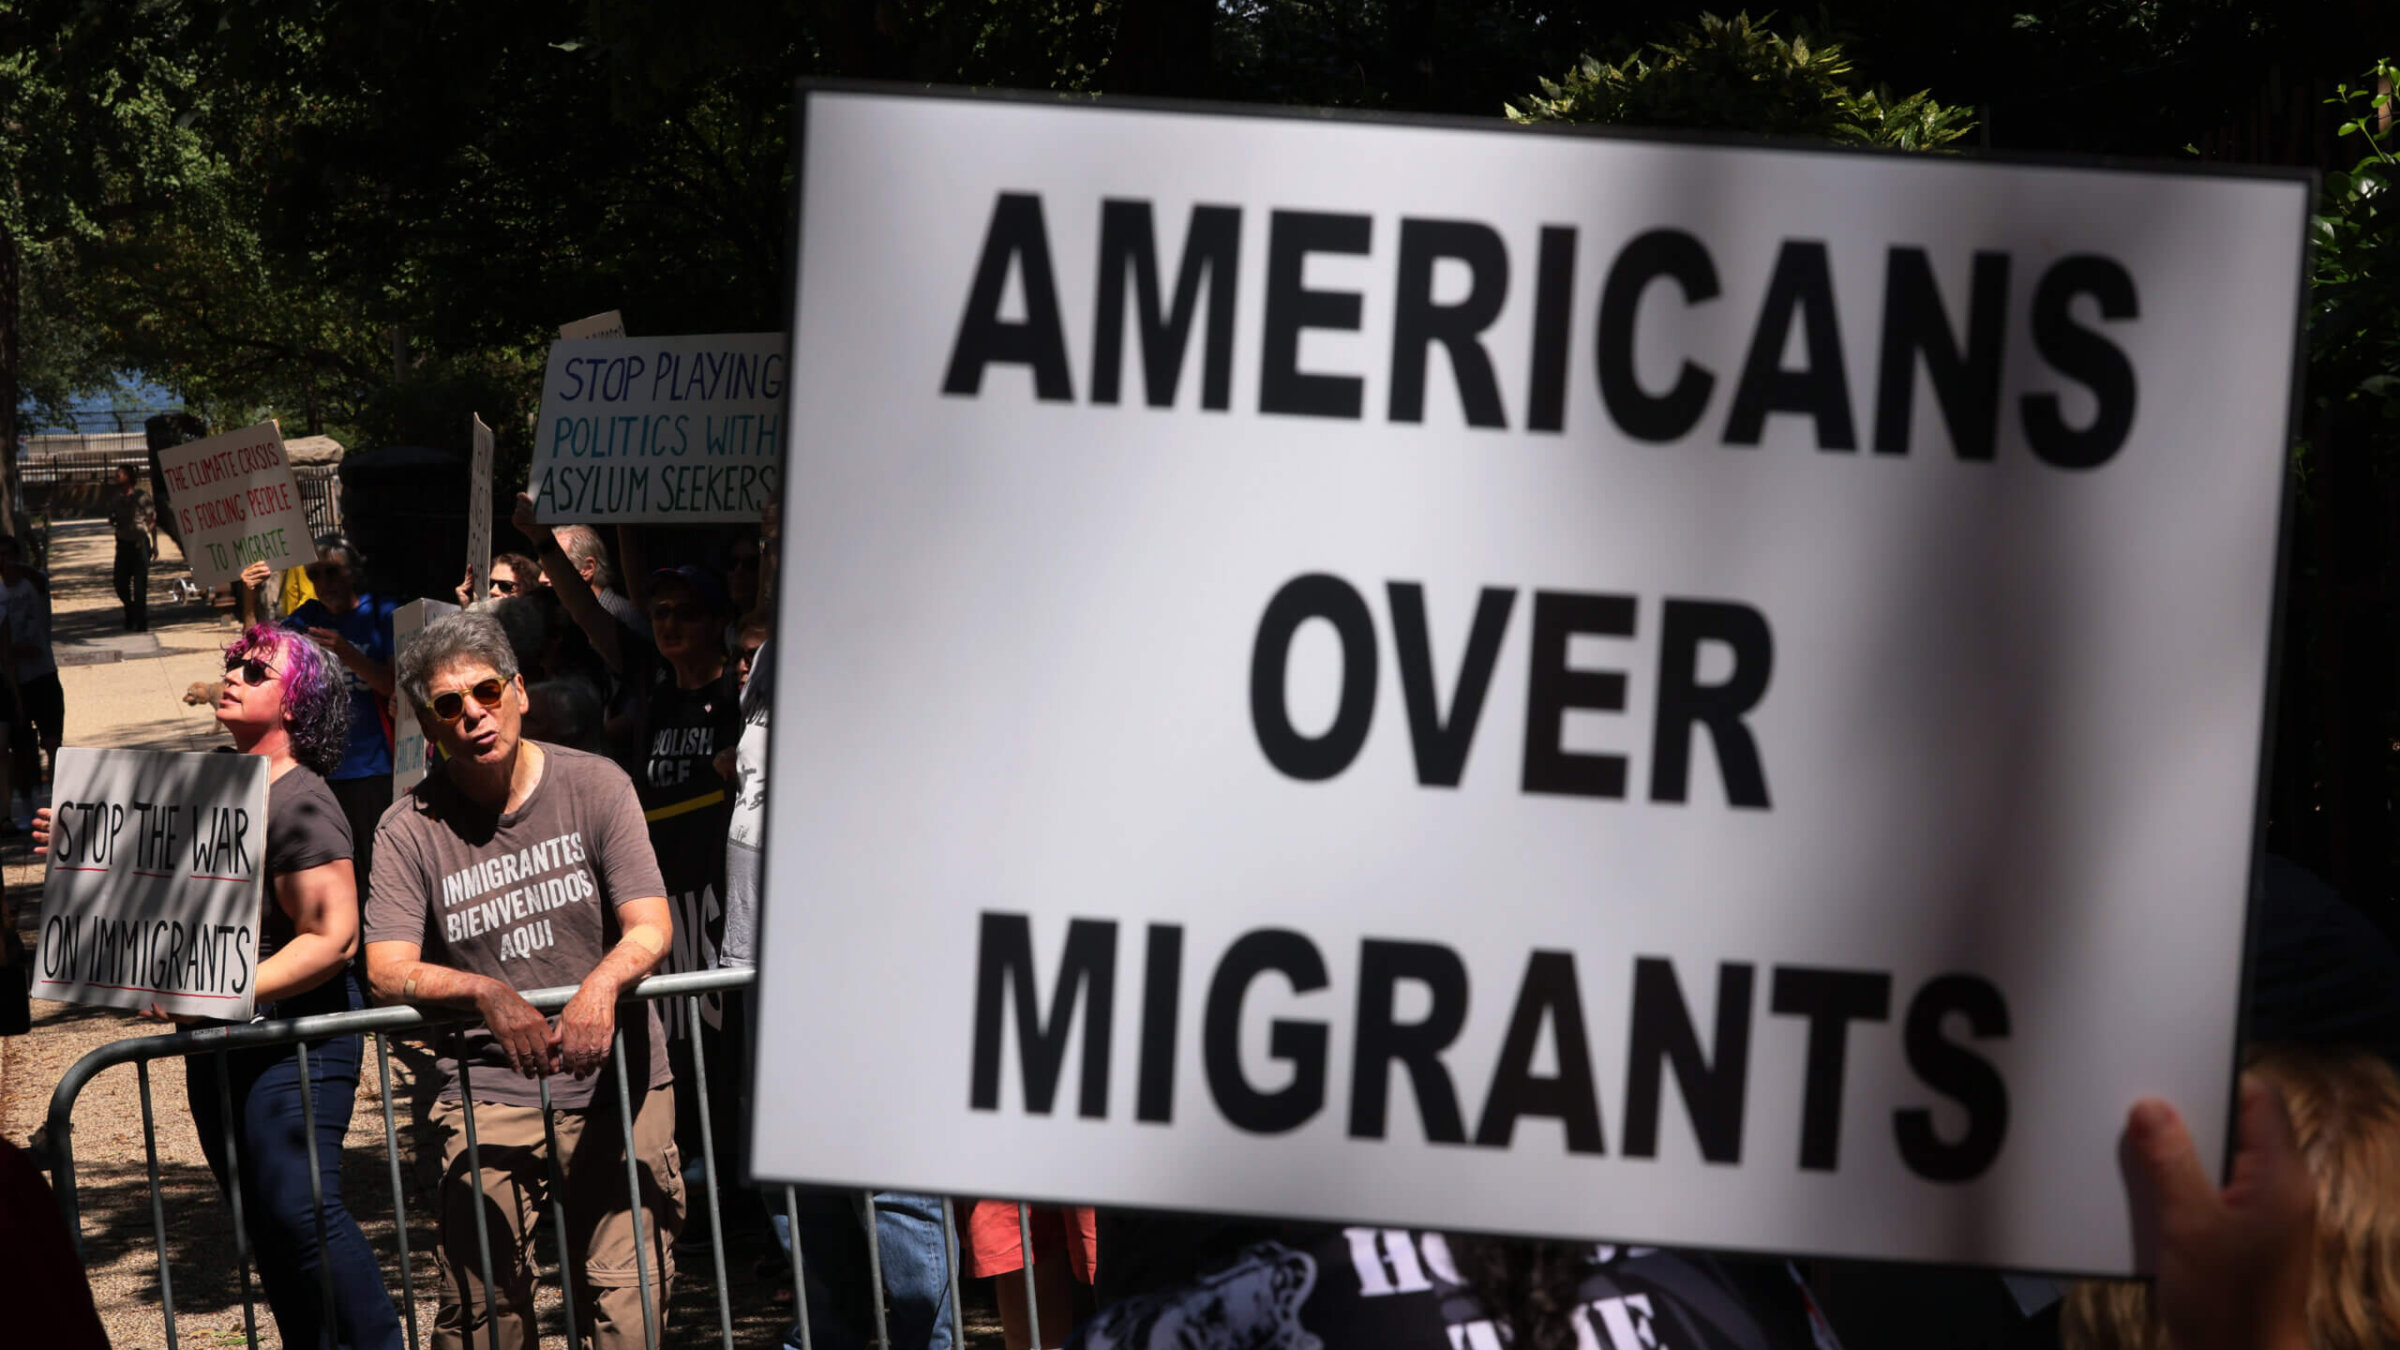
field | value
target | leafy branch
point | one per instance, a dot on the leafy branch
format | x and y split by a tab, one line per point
1739	75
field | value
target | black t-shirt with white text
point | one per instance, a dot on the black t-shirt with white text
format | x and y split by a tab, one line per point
1399	1289
688	808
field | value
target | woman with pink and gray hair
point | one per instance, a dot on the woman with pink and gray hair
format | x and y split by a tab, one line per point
284	698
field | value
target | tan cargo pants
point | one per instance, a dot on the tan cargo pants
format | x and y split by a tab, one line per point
513	1191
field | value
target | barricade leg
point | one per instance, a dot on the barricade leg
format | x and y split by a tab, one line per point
233	1191
875	1289
1033	1303
708	1171
558	1213
950	1264
158	1205
316	1195
483	1235
633	1193
791	1218
391	1152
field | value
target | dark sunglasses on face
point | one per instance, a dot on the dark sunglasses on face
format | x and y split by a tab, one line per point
253	671
448	706
323	571
504	587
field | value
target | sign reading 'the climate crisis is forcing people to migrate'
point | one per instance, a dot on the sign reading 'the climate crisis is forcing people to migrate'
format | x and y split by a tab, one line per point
1495	680
237	503
157	866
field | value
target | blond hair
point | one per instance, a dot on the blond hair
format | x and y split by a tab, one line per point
2345	1107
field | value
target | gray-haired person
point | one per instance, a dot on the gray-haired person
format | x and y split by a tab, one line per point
526	865
589	555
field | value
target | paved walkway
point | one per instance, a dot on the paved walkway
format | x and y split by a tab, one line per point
125	689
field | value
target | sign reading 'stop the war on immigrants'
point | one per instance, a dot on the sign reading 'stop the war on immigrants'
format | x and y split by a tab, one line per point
660	429
155	881
1522	682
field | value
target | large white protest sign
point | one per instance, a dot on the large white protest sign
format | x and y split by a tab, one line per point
479	510
686	429
408	739
1496	680
236	503
155	880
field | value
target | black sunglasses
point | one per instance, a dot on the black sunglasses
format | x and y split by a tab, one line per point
253	671
448	706
504	587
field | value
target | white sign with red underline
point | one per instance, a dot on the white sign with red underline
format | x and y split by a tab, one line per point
157	867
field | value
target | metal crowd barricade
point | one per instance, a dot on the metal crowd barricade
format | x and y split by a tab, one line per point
383	1022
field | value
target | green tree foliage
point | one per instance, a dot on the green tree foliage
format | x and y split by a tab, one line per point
131	184
2354	329
1738	75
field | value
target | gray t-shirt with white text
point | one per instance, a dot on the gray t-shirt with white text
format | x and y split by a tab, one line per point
527	897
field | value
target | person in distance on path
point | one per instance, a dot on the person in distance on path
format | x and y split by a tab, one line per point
524	866
135	524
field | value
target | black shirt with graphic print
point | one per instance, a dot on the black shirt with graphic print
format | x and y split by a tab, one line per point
688	808
1313	1288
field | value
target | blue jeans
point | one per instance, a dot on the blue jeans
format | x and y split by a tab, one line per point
277	1210
833	1250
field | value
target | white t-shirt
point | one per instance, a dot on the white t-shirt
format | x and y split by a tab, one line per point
750	756
748	830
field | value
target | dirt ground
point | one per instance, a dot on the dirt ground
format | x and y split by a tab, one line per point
125	690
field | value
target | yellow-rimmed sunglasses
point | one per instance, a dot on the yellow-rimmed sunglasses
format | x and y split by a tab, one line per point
448	706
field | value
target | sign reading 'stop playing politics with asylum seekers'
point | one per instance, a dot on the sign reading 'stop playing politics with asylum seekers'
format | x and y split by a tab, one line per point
672	429
1466	678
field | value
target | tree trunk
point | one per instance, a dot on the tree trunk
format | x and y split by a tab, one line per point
12	496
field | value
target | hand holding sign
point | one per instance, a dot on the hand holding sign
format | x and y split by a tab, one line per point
2234	1266
529	524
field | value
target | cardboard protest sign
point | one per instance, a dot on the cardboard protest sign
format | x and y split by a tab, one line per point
1675	693
408	739
236	503
157	866
479	511
607	324
672	429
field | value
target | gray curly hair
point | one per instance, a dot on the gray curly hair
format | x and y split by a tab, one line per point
452	637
